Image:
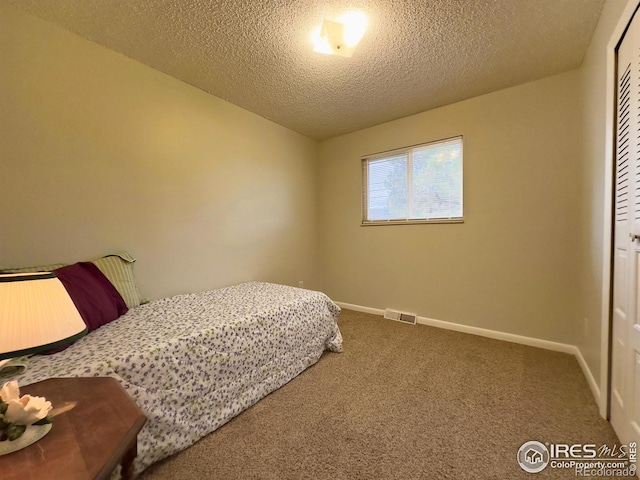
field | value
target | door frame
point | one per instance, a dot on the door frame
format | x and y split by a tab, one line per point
609	192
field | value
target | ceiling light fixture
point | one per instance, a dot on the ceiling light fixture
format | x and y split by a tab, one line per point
340	37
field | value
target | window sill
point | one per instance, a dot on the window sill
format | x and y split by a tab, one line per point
377	223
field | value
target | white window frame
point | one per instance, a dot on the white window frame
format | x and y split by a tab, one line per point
408	151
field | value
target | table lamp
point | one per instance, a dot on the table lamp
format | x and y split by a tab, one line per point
36	314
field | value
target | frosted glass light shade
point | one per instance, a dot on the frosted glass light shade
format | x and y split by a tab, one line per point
36	314
340	37
331	40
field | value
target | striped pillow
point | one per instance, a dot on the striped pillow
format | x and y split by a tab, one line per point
118	268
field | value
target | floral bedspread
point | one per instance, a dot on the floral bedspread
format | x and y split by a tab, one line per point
194	361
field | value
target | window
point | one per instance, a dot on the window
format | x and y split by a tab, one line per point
413	185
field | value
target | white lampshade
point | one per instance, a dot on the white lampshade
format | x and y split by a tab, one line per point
36	314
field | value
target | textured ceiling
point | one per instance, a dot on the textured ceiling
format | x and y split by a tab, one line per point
415	55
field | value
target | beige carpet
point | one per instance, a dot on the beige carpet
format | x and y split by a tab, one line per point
403	402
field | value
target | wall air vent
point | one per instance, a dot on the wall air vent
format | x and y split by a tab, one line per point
400	316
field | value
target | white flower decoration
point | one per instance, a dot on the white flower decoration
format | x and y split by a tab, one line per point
10	391
24	410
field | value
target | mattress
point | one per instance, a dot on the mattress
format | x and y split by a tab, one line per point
192	362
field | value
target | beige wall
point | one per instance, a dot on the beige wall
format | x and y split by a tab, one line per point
101	153
512	265
592	233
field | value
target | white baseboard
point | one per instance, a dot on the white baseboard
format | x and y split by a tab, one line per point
595	389
360	308
497	335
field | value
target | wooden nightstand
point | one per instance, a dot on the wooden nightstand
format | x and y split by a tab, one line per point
87	442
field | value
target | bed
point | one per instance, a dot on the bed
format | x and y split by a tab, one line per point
192	362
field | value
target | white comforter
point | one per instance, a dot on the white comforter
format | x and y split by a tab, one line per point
192	362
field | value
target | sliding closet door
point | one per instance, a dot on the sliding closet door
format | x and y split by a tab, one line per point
625	347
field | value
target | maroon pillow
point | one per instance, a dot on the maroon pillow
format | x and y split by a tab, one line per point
95	297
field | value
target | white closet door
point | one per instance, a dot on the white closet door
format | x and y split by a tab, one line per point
625	348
